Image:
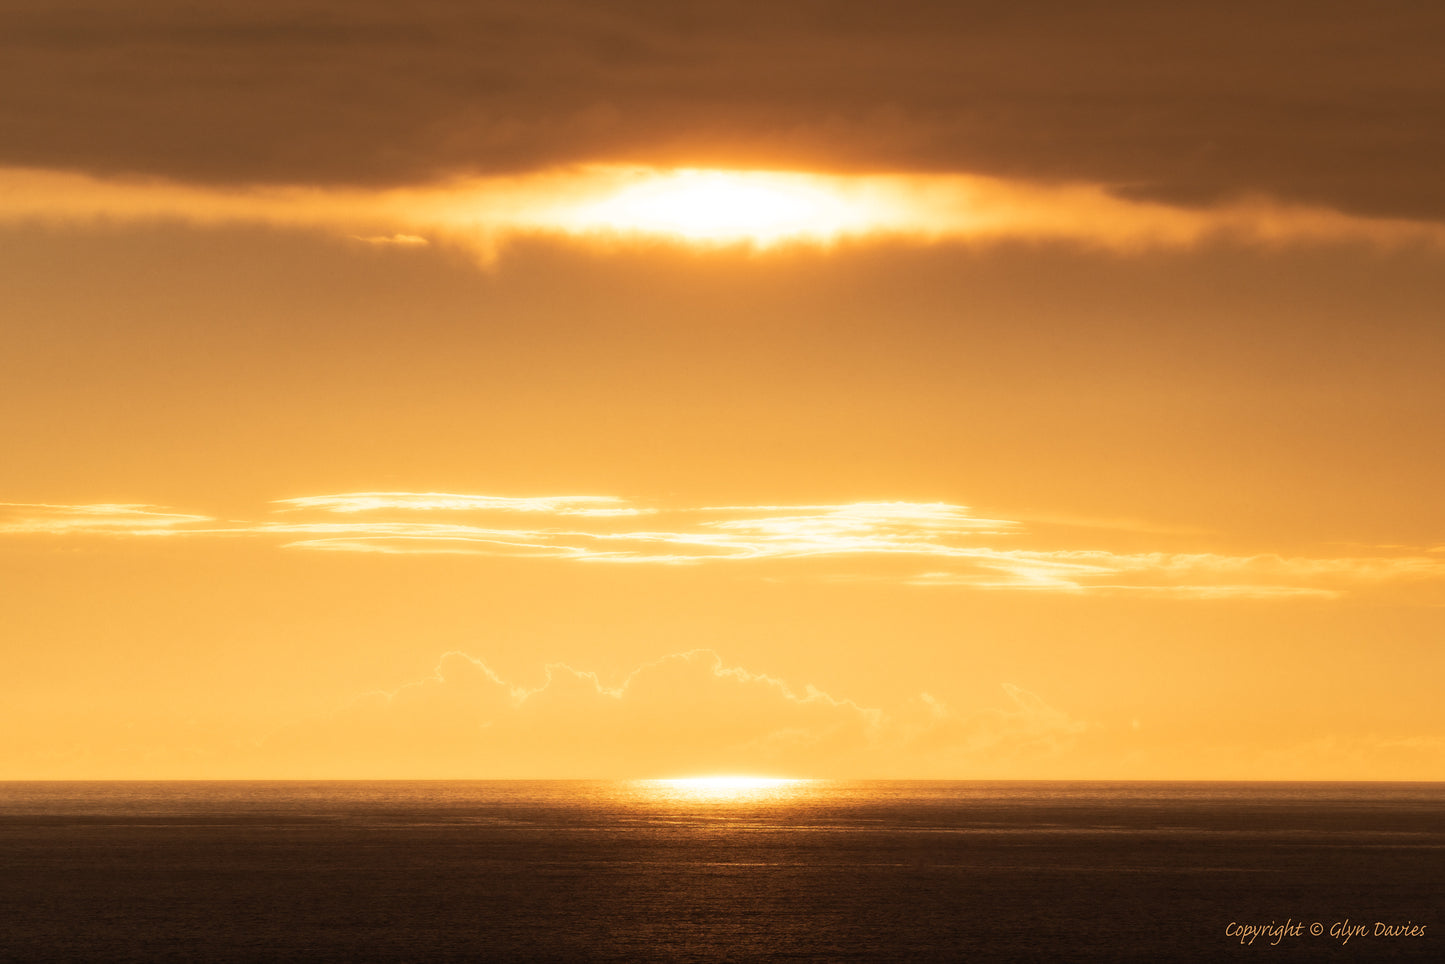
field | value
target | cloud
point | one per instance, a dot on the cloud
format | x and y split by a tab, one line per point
395	240
1225	591
98	519
684	714
1357	756
610	206
1025	726
597	505
1181	102
694	534
692	714
932	544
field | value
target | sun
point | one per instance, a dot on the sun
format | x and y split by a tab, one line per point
713	206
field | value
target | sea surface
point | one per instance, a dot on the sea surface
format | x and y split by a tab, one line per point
826	871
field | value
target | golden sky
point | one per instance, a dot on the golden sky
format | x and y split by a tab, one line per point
801	389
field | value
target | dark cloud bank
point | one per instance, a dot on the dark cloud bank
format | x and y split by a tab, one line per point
1342	104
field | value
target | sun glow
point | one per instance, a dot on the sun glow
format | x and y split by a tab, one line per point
624	204
724	789
728	783
761	208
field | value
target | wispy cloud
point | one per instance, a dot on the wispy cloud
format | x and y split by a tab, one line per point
931	544
371	501
394	240
100	518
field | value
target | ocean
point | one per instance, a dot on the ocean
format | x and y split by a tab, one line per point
656	870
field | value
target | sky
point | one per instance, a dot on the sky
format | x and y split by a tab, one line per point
631	389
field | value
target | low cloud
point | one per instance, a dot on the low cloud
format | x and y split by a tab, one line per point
688	714
684	714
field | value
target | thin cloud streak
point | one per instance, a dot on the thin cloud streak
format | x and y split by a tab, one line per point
869	540
97	519
394	240
595	505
